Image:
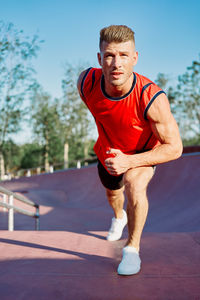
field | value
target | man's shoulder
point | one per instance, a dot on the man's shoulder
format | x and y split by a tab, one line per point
88	71
92	70
87	79
143	80
89	74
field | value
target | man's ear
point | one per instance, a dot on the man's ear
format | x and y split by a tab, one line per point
135	58
99	58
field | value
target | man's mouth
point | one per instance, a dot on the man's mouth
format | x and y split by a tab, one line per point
116	74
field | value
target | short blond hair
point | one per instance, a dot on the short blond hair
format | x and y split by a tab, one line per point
116	33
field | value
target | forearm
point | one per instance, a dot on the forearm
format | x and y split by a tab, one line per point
160	154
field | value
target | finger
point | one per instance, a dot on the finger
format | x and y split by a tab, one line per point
109	154
114	151
110	167
110	171
108	161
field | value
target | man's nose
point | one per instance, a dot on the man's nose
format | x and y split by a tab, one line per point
117	61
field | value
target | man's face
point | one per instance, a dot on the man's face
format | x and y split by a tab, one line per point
117	61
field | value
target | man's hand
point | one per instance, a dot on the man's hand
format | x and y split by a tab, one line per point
118	162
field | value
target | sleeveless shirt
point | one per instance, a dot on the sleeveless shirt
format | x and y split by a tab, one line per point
122	122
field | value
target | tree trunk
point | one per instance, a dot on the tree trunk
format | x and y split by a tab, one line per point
2	167
46	156
86	150
66	155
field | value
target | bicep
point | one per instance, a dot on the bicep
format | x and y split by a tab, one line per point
162	121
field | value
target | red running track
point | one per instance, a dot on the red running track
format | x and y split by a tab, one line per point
70	258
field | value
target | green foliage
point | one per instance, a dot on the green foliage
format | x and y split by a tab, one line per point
44	116
45	120
185	102
32	156
191	142
188	101
16	77
12	154
56	122
56	151
75	118
162	80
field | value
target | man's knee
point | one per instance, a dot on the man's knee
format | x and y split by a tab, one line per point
137	179
114	194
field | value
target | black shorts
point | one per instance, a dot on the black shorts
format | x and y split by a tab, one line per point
109	181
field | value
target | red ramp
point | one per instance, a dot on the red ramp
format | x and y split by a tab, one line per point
70	258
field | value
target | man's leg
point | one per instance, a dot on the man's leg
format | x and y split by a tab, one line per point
136	182
115	195
116	201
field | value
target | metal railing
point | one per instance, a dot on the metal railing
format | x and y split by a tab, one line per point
11	207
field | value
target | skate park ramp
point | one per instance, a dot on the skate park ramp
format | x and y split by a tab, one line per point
69	258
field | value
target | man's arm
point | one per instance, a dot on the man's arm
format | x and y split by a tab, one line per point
164	128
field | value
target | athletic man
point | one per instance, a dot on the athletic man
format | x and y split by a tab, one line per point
136	132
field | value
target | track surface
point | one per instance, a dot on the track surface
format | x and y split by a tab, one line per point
69	258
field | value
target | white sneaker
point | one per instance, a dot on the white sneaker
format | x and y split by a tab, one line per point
130	263
116	229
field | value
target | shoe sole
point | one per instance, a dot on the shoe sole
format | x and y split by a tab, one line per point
128	273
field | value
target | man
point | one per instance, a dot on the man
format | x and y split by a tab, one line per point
136	132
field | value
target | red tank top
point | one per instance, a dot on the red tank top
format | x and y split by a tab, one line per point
122	122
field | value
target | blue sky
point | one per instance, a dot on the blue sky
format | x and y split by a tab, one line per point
167	34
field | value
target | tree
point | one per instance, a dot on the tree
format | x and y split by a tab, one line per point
31	157
12	154
163	81
45	121
188	101
16	79
75	118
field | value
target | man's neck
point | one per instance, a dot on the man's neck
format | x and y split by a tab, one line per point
118	90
